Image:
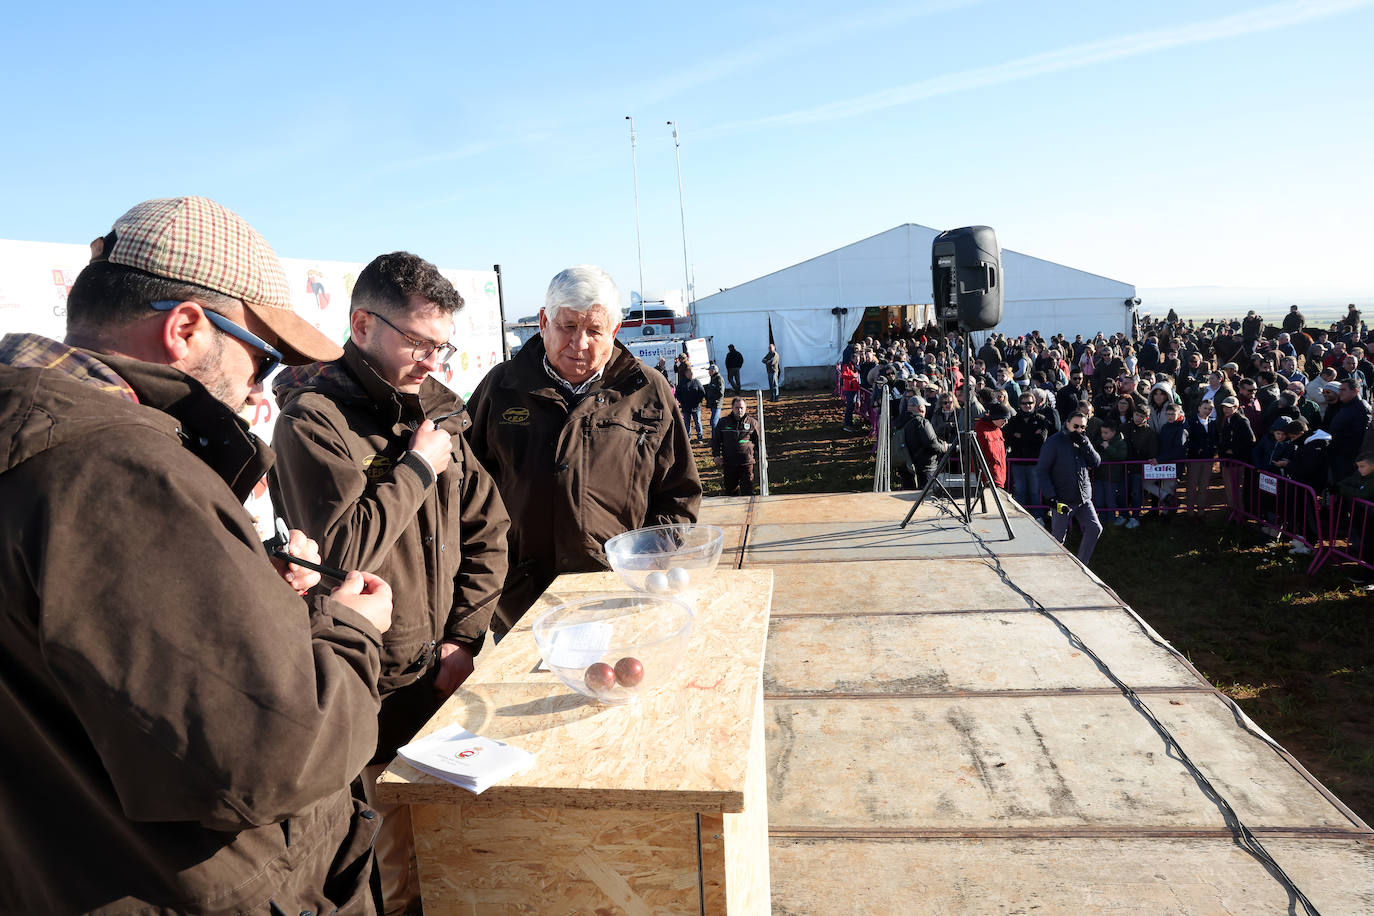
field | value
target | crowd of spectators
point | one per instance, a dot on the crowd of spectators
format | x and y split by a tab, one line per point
1289	399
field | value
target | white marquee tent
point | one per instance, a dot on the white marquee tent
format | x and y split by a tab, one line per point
890	269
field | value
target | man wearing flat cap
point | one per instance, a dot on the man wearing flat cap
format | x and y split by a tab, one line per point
181	726
585	441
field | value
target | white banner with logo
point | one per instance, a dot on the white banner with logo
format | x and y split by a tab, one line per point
35	278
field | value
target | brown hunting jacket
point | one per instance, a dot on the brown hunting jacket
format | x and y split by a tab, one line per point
574	470
345	476
179	728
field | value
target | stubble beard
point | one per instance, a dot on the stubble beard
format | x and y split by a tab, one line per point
209	371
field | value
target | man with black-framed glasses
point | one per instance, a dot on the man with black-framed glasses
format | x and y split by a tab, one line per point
371	464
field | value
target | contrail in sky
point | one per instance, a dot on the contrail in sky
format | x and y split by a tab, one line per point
758	52
1262	19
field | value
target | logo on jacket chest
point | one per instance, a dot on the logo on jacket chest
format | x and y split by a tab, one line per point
515	416
377	466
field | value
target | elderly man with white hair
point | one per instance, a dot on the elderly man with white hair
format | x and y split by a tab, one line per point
584	440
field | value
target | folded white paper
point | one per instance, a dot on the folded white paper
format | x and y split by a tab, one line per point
457	755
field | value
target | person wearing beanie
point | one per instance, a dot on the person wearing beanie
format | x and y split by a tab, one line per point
988	430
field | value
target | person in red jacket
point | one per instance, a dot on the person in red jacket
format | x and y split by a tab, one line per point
989	432
849	388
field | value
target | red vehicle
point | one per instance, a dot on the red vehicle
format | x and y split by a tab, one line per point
649	322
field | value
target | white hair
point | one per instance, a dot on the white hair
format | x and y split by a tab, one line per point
581	288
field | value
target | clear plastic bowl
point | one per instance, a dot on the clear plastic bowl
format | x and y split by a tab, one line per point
614	648
667	559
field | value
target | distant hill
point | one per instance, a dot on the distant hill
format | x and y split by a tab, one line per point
1318	304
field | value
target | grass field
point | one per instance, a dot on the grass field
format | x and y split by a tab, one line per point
1296	653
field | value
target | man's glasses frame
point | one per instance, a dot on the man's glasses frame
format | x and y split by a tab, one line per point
271	356
423	348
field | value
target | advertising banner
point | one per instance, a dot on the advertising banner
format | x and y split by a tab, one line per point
35	278
650	351
701	359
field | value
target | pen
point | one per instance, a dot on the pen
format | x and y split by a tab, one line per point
280	553
278	550
440	419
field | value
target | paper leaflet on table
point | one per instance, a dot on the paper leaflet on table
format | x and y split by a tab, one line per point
458	756
579	645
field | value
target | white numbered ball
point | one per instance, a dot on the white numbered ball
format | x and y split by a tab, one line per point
678	579
656	583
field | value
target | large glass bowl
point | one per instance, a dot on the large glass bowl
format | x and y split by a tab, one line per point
614	648
666	559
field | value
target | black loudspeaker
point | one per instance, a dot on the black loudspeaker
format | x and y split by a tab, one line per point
966	277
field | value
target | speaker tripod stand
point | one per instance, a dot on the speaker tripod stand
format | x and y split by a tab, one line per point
972	461
973	477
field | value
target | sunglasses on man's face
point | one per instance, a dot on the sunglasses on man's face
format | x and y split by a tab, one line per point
271	356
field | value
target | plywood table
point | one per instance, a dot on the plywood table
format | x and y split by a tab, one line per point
658	807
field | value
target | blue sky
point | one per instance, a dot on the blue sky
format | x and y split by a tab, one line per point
1165	144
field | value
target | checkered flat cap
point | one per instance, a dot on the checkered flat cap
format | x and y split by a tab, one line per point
195	240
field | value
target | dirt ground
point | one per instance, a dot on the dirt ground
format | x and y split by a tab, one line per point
1296	652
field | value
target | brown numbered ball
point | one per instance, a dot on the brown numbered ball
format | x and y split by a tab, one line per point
629	672
600	677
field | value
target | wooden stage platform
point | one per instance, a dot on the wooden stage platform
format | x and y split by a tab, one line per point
936	745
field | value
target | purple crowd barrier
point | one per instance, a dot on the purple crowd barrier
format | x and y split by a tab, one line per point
1294	509
1291	508
1348	532
1169	497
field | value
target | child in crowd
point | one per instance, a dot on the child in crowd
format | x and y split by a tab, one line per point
1355	516
1202	448
1360	484
1173	440
1142	444
1107	488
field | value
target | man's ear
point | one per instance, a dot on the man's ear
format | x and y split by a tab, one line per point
358	325
179	326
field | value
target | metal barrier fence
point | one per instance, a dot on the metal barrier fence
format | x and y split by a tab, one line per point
762	461
1348	532
1285	506
1120	487
1338	527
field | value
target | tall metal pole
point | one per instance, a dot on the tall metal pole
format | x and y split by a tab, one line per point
501	307
639	242
763	451
682	209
